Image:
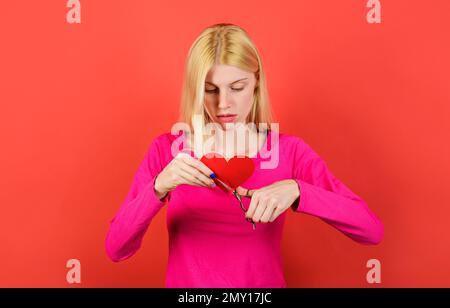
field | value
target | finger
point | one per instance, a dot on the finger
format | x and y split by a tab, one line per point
197	174
182	155
275	214
253	205
244	192
198	165
271	205
189	178
259	211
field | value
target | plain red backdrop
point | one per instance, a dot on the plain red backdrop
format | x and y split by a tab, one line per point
80	103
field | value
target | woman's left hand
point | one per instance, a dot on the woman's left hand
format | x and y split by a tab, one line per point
270	201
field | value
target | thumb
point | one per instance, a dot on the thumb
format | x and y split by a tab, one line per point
245	191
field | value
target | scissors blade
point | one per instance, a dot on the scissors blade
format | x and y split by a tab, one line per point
234	191
226	186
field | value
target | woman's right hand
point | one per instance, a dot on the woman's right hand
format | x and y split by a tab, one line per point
183	169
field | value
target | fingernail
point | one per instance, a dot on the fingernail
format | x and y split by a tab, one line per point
212	175
213	185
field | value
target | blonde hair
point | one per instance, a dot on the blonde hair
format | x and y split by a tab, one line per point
227	44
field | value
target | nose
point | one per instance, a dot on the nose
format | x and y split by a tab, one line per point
223	103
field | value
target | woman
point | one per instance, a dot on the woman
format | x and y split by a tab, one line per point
210	244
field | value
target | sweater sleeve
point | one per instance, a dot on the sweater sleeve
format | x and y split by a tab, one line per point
128	226
324	196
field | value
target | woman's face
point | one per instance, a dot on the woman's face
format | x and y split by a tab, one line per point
229	91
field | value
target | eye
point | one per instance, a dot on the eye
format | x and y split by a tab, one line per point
216	90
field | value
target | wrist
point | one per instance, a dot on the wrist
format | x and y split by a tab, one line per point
298	193
160	190
296	188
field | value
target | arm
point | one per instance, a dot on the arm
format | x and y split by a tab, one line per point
324	196
130	223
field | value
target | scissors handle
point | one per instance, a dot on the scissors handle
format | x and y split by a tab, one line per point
238	197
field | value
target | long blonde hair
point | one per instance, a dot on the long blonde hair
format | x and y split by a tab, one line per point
228	44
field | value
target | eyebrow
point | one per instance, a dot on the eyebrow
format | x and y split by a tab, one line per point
230	83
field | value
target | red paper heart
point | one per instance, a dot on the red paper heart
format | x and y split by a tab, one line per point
233	172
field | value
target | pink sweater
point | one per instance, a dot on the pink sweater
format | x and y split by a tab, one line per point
210	242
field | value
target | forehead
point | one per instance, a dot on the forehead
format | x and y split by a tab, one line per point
221	74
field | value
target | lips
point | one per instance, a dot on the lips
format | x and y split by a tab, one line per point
227	117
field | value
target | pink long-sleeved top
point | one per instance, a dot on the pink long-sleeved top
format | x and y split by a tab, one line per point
210	242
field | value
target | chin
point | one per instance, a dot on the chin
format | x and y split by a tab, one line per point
232	125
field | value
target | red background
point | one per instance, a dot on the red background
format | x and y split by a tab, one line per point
80	104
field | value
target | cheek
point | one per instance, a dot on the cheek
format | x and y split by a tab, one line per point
245	101
210	103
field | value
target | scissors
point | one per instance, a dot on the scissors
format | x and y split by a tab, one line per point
238	197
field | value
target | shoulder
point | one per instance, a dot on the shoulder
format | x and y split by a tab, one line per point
296	146
290	141
164	146
165	139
